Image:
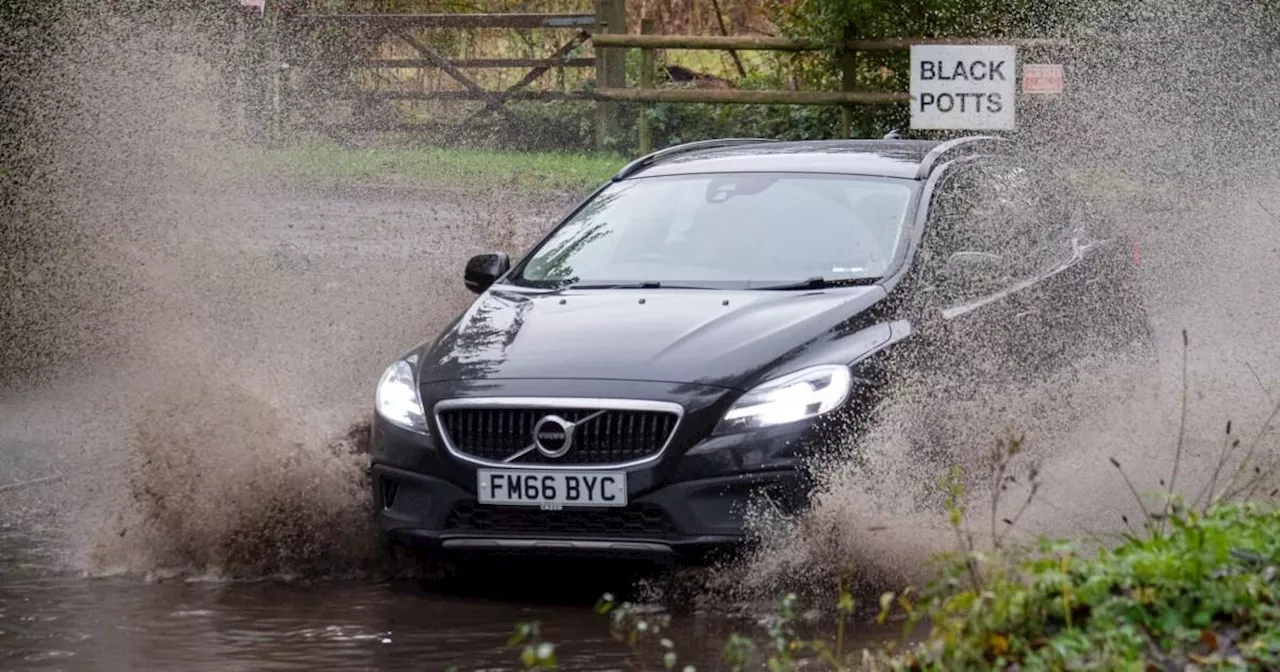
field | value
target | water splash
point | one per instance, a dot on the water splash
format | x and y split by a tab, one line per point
1162	126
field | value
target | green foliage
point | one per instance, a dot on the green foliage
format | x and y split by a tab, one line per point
535	654
643	634
832	22
539	127
1204	592
676	123
1201	595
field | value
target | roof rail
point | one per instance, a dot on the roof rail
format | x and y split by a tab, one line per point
650	159
931	159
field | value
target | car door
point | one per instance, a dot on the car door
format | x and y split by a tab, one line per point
1051	257
967	276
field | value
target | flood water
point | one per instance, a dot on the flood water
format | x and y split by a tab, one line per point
251	302
57	619
291	278
256	302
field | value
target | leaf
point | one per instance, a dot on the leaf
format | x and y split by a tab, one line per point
523	630
999	644
1210	639
886	603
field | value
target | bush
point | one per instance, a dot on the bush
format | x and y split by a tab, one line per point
1203	593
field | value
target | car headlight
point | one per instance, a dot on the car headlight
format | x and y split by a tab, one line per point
397	397
798	396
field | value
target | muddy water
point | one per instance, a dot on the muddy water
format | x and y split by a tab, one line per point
54	616
256	328
297	302
301	299
51	620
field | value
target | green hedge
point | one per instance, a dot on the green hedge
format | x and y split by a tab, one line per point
1200	593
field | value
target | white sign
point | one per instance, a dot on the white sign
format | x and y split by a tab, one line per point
965	87
1041	78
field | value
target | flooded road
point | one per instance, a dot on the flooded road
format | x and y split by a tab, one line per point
294	304
244	295
247	290
56	617
57	620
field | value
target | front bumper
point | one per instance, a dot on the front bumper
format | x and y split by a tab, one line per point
697	498
693	519
694	503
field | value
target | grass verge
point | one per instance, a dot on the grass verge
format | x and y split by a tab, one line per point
1201	594
321	164
1199	591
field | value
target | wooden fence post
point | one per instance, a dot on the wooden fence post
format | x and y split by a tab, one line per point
848	80
611	72
644	130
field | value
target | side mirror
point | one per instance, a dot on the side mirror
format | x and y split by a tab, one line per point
484	269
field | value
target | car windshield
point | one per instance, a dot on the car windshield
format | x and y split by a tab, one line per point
738	230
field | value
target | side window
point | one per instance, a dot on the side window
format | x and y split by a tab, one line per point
966	243
993	224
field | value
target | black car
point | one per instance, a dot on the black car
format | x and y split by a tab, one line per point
676	346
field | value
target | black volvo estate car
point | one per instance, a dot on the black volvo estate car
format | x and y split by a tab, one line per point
675	346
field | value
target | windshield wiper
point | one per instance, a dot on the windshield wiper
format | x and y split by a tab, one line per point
819	282
620	285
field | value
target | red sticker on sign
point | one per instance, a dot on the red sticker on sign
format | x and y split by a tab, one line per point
1042	78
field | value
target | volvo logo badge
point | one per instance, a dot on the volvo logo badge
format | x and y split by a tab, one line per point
553	436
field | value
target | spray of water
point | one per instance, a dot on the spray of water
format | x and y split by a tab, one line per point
1162	124
213	420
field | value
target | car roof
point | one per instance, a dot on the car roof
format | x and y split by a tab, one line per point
895	158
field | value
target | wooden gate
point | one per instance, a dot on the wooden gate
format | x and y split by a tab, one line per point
319	57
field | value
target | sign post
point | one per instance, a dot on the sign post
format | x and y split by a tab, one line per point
963	87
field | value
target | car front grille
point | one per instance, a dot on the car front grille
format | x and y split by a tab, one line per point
636	521
606	436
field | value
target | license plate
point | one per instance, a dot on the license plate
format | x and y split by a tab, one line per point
552	490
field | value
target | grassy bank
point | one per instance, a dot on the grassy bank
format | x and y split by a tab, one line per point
320	164
1198	591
